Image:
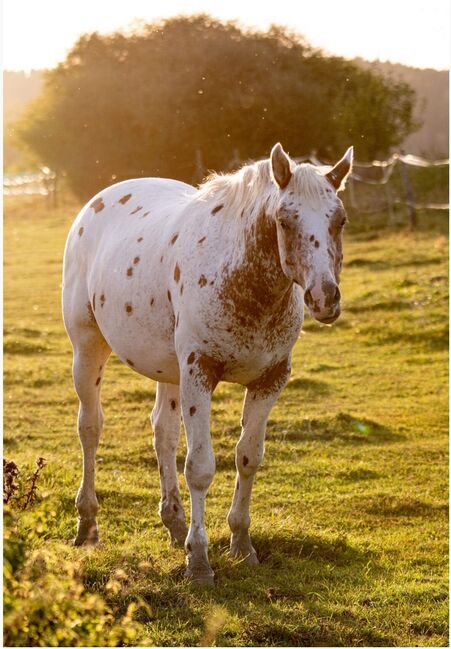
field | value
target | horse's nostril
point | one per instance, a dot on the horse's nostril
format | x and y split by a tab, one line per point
337	294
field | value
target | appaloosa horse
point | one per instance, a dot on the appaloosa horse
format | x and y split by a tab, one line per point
194	286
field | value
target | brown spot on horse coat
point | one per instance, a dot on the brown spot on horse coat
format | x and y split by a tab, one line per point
202	240
139	240
97	205
245	292
175	508
80	232
272	379
317	244
192	410
127	360
102	300
188	547
169	296
174	239
210	371
173	404
125	198
181	289
128	308
98	380
137	209
129	271
177	273
202	281
152	300
90	312
216	209
245	460
191	358
94	302
136	260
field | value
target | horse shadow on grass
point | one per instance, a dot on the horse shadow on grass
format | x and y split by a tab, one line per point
316	566
343	426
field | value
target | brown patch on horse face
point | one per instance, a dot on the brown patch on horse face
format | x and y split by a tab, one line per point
80	232
98	380
136	260
272	379
169	296
128	308
216	209
192	411
202	281
174	239
173	404
102	300
97	205
177	273
129	271
127	360
137	209
202	240
125	198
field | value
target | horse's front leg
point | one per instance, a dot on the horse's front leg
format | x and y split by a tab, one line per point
258	402
196	386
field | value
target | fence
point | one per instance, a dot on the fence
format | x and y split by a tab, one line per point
378	186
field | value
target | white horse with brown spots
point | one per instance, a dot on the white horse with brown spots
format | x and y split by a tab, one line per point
194	286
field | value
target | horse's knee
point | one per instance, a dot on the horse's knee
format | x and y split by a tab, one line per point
248	458
199	470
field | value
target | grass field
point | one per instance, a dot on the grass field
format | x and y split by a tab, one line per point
349	513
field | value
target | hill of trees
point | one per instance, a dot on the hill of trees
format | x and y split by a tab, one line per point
150	102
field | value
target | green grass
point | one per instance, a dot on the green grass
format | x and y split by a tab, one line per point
349	512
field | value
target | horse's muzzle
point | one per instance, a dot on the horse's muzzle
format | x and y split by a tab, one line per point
326	307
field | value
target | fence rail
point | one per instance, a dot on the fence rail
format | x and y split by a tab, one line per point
381	185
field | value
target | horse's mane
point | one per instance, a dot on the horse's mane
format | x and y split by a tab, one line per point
252	186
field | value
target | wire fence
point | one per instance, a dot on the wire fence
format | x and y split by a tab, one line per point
373	187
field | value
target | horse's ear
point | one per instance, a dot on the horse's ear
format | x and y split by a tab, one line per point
338	174
280	166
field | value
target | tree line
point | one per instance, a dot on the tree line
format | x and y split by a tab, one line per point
149	102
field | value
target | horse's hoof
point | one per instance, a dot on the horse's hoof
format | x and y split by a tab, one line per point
203	578
178	533
244	551
87	533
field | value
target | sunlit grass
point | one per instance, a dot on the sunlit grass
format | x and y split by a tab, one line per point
349	513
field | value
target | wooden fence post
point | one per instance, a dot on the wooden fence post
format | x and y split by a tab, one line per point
199	168
409	193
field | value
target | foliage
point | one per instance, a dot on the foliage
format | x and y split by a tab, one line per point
45	602
349	513
144	103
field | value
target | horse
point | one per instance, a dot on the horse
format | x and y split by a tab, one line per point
192	286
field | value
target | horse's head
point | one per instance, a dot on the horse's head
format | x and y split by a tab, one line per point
310	219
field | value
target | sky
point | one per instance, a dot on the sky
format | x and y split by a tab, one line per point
38	34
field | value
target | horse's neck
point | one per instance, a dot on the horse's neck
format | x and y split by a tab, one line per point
257	255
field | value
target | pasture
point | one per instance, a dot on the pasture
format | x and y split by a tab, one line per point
349	512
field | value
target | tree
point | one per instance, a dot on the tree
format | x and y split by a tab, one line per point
123	106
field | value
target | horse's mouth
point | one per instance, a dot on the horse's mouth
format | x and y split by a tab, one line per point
330	319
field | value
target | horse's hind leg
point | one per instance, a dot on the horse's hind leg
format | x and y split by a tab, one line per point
91	352
165	420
